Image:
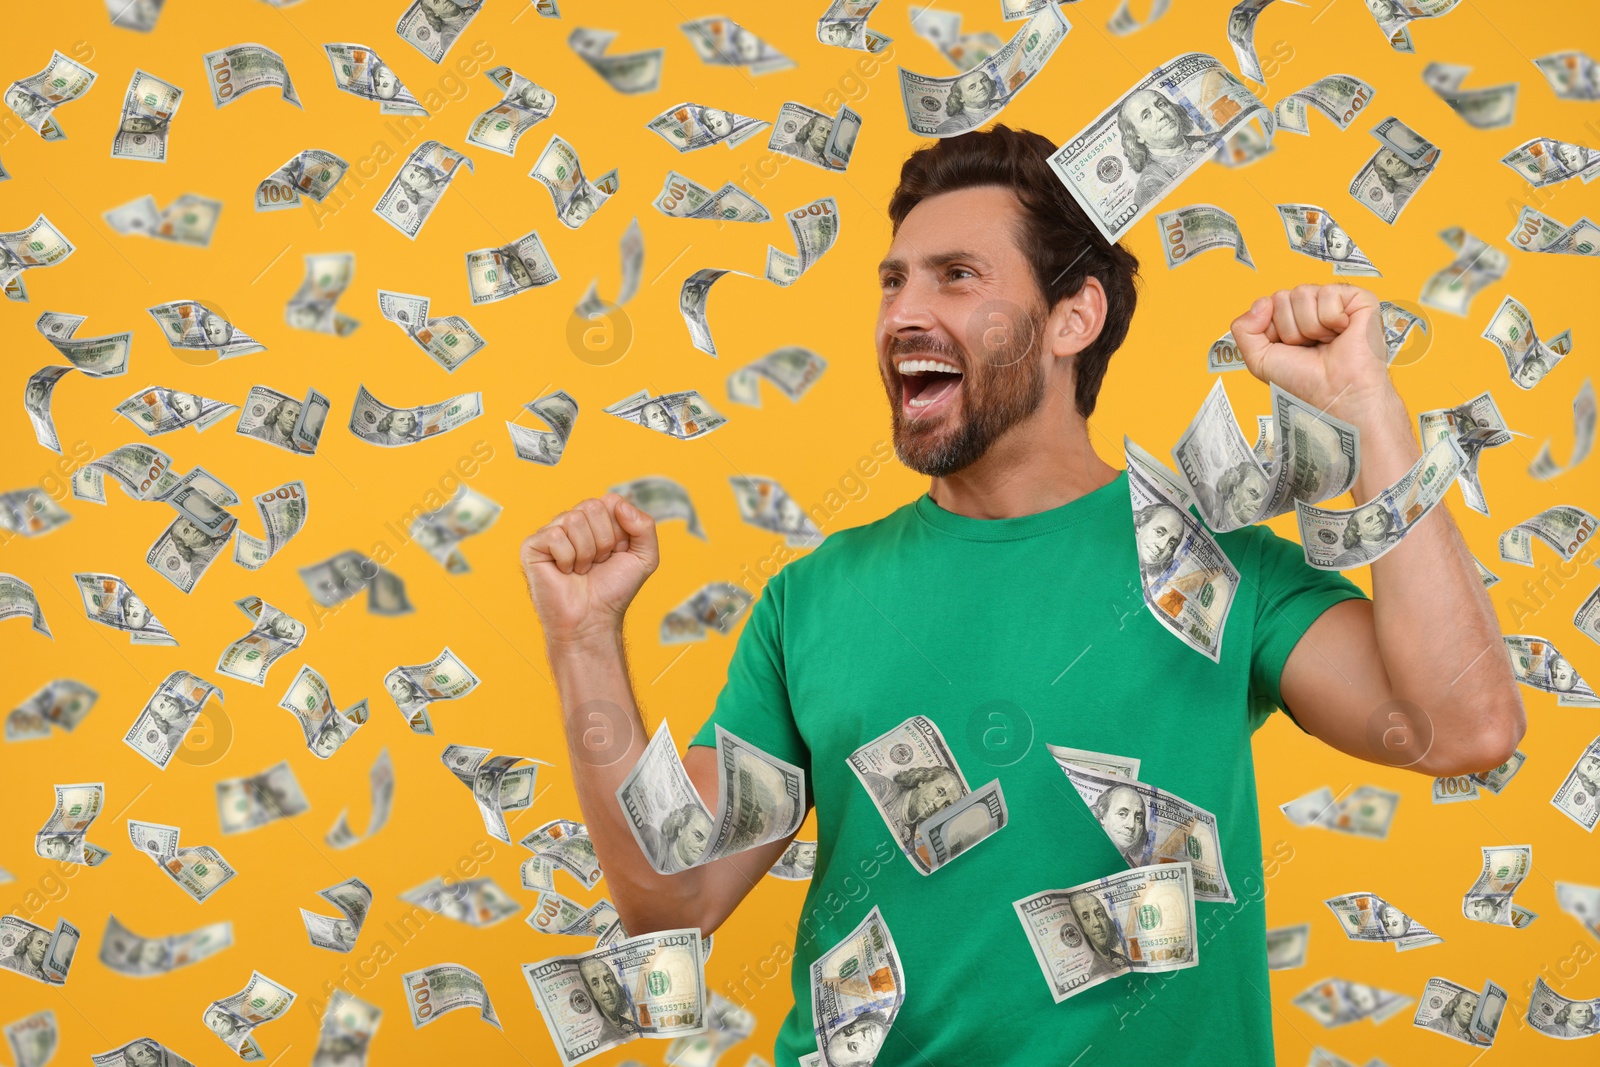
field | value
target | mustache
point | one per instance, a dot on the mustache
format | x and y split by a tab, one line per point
925	346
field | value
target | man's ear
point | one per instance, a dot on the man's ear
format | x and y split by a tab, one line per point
1077	320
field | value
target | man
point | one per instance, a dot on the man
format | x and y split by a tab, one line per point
1336	242
856	1043
1574	1020
222	1023
1122	815
144	1053
1158	529
995	585
218	330
27	957
1454	1019
1159	140
1100	933
1395	923
717	122
398	427
1369	531
1488	909
974	96
173	716
609	999
385	85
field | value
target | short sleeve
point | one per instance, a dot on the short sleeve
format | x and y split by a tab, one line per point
1290	596
754	702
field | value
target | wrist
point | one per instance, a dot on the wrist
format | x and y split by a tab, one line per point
1388	445
583	644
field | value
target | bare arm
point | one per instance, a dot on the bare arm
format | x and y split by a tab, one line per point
1419	677
583	568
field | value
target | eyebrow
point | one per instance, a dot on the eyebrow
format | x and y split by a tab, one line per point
938	259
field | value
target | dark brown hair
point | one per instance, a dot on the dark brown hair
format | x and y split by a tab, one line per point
1059	240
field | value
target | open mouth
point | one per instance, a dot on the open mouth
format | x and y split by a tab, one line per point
926	384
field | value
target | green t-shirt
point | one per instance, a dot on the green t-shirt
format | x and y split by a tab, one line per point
1007	634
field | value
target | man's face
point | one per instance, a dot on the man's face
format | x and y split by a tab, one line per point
38	942
1362	998
1093	921
190	536
288	415
746	45
345	931
936	794
416	178
1532	370
1158	538
856	1043
1570	155
1580	1015
954	254
1246	498
976	90
134	613
221	1024
1154	120
806	856
1394	922
655	417
185	406
142	1055
218	331
1339	243
400	689
140	124
34	396
327	743
21	103
837	33
403	423
56	848
519	271
1382	10
384	83
691	842
152	954
602	986
1589	767
168	710
817	136
287	629
1484	910
1465	1007
1125	819
1372	523
579	210
716	122
1397	169
537	98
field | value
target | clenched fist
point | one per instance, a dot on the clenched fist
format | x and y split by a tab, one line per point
585	565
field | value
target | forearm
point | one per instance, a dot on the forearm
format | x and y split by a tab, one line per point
1435	626
605	739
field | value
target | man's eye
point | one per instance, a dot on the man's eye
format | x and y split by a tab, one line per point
888	282
957	273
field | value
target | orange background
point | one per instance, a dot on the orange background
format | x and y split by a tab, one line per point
254	266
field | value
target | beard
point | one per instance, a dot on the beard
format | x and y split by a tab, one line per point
997	392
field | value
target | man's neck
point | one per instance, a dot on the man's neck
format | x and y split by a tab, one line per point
1025	473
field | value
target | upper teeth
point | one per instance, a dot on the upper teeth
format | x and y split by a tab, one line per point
924	366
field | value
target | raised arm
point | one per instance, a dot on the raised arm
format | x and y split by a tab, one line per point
1418	677
584	568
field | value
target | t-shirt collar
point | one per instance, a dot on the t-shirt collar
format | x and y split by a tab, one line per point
1094	504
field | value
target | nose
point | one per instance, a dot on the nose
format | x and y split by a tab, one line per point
907	311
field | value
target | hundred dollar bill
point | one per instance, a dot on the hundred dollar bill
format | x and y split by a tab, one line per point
416	686
431	26
359	71
1366	812
844	25
857	988
1141	920
38	398
1497	779
555	914
689	127
760	798
631	248
282	421
256	800
1536	664
314	172
815	228
575	197
1242	35
714	606
64	836
1122	21
1578	797
185	550
1386	183
30	512
272	635
167	716
1457	1012
630	72
109	601
324	726
810	135
144	472
1587	617
1286	947
1368	917
144	1050
186	324
1564	528
1149	825
1583	426
188	220
1572	75
157	410
1476	265
942	29
1475	425
1483	109
127	953
911	775
244	68
1341	538
1155	136
1454	789
662	499
793	370
338	578
1394	16
727	1024
563	844
1336	1002
1489	899
1554	1015
446	987
234	1018
560	411
147	110
98	357
311	308
347	1029
464	515
1341	97
1187	581
947	106
723	42
199	871
525	105
63	702
1582	902
1397	326
33	1038
449	341
494	274
1200	228
381	779
477	902
1527	358
377	423
1312	232
967	822
36	952
684	415
495	785
40	245
1102	763
1544	161
647	986
35	98
416	188
798	862
353	898
1538	232
765	504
